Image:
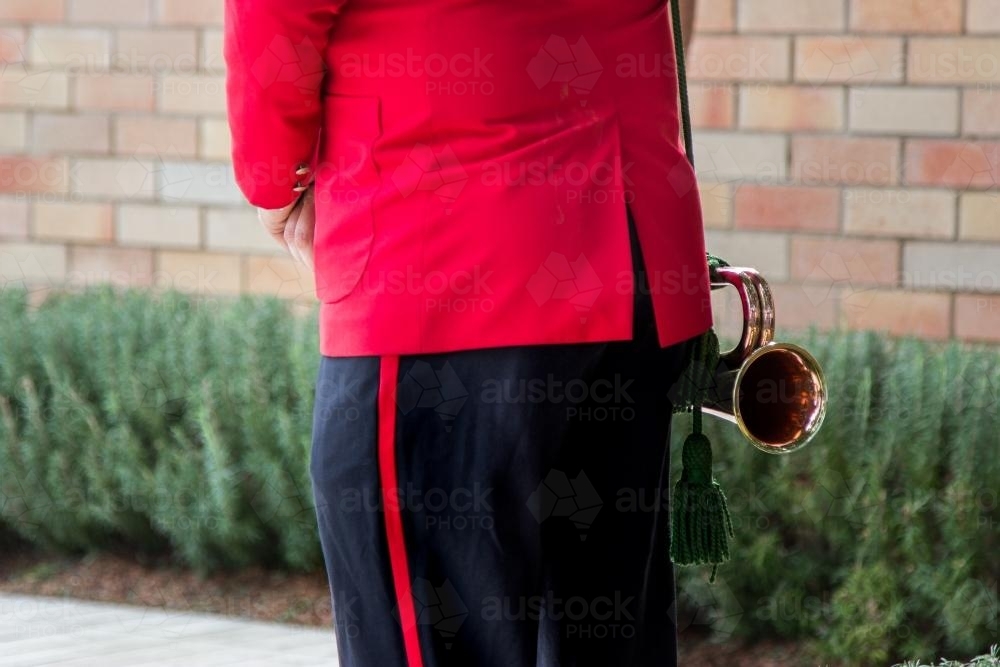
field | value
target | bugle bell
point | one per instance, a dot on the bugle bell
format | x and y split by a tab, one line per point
774	392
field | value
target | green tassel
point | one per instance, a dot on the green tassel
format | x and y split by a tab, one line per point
701	525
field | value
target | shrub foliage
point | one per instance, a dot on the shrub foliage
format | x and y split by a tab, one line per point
181	427
162	422
882	537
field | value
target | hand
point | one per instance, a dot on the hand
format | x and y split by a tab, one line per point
293	226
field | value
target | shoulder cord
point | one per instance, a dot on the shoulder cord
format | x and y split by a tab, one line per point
682	84
700	525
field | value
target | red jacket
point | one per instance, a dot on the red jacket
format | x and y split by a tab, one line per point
472	165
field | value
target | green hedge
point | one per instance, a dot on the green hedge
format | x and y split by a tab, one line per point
882	538
179	426
163	423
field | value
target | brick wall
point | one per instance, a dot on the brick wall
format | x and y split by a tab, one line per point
114	152
850	149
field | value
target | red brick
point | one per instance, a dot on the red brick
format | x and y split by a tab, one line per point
855	261
73	221
800	307
715	16
158	226
199	272
32	175
168	138
144	50
214	141
60	134
765	251
114	178
712	106
977	317
29	11
124	267
899	110
961	60
899	313
798	16
739	58
13	131
42	264
979	217
212	58
907	16
792	108
280	277
955	164
898	212
237	230
75	48
190	12
983	16
115	92
789	208
109	11
12	49
38	89
741	156
845	160
980	114
13	219
193	94
951	266
851	59
716	204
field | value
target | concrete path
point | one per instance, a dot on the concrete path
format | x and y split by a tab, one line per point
36	631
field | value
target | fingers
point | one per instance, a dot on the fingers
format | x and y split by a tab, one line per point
276	229
301	237
274	221
305	230
293	226
288	234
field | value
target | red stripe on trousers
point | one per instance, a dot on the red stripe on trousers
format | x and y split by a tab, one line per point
387	380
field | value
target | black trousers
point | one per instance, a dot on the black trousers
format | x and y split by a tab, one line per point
501	507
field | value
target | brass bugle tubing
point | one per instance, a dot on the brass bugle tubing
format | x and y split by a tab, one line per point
774	392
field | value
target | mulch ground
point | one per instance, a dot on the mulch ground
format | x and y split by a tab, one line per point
269	596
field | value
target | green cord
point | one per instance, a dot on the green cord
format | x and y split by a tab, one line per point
682	85
700	524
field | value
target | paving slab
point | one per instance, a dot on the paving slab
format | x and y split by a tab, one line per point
38	631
